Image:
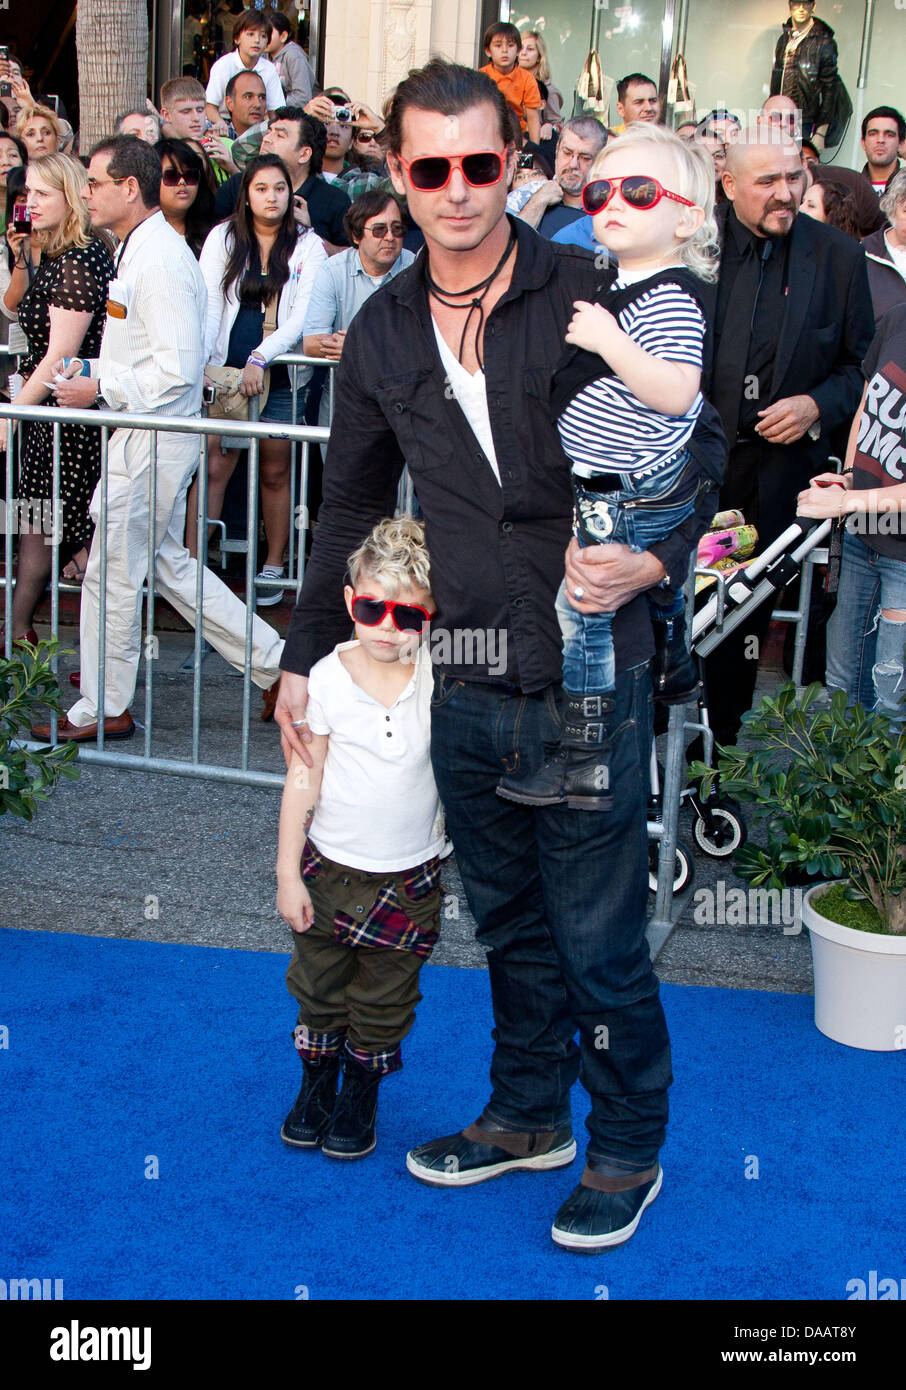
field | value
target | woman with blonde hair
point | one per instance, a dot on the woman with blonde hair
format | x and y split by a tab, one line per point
39	130
533	58
58	292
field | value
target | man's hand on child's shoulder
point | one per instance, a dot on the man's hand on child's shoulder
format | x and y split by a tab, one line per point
289	713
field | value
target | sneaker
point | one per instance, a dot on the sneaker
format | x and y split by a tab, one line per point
268	597
468	1157
590	1220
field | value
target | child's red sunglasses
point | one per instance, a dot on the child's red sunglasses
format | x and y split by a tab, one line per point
636	190
407	617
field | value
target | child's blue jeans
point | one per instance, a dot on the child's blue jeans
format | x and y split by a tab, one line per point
629	517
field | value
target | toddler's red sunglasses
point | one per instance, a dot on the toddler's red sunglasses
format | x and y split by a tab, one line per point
636	190
407	617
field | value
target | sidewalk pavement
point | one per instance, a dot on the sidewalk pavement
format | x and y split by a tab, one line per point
168	858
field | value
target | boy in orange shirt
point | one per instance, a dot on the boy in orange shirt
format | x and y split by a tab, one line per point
502	43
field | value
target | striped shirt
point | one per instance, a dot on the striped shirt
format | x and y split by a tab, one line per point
605	428
151	360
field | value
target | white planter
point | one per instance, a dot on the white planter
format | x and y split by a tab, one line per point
860	982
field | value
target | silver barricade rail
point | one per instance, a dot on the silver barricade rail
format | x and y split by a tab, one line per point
107	421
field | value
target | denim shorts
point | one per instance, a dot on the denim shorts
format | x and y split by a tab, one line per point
277	411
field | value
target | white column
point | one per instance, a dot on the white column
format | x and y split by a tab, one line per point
370	45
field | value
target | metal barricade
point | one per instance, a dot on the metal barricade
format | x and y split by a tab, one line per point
107	422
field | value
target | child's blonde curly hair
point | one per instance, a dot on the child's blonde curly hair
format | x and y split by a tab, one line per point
694	180
395	554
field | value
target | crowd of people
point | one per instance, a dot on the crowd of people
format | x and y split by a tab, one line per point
581	341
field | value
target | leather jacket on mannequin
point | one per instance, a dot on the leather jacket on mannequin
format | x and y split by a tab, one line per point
807	74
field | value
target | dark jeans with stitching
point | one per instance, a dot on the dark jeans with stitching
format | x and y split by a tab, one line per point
560	899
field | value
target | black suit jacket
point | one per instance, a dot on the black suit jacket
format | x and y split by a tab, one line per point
828	326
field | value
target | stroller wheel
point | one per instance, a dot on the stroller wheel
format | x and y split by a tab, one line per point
727	833
683	867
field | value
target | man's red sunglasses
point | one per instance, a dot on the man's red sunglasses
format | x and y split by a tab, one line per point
407	617
431	173
636	190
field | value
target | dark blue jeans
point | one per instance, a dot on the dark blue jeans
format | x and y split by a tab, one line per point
559	897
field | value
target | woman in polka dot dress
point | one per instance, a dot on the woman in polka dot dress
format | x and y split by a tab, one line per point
61	309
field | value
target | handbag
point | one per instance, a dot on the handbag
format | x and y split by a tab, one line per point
680	92
593	89
229	402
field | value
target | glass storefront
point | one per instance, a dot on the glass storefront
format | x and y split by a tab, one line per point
207	31
728	46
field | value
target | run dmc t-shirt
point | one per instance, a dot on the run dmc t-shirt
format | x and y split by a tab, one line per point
880	458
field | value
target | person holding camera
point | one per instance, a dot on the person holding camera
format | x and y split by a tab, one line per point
61	311
556	202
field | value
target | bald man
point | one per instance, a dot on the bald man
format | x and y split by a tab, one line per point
793	321
783	114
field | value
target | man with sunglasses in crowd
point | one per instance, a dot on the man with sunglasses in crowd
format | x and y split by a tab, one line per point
151	361
376	226
449	370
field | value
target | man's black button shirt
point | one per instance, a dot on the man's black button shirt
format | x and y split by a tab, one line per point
497	549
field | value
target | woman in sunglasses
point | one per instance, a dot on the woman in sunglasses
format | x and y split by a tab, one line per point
627	401
186	200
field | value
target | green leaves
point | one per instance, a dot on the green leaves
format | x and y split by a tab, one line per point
828	784
27	686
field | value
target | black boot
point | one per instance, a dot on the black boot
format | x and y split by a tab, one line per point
305	1124
350	1133
674	671
577	769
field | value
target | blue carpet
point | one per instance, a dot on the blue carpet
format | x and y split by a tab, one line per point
118	1050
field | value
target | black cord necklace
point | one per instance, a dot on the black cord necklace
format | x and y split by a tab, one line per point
447	298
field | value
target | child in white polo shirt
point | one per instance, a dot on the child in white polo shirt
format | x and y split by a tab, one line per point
251	36
358	873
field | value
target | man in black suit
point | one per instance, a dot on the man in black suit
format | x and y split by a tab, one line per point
793	321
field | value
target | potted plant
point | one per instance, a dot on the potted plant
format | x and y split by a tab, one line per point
829	786
28	775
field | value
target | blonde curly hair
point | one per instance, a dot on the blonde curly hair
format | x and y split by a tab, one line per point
395	554
65	176
694	180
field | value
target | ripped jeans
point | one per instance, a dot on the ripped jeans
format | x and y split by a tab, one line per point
865	650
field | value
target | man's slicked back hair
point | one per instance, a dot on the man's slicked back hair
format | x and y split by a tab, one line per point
447	88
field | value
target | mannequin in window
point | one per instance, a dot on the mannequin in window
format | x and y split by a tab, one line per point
805	68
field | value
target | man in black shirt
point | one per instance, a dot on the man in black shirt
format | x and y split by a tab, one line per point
300	141
792	324
559	895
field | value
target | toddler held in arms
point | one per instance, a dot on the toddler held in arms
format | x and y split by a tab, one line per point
627	403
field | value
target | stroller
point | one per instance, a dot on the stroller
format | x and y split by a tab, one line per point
740	584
